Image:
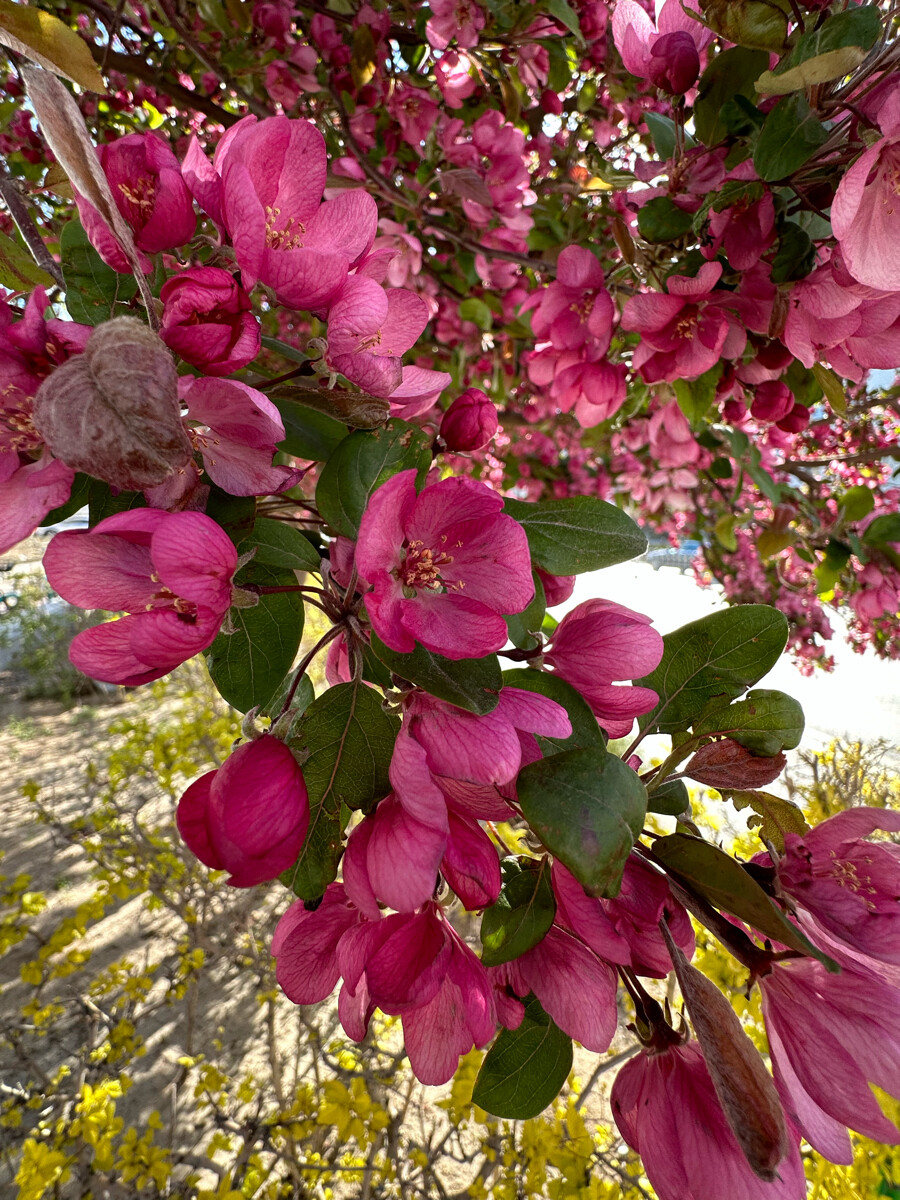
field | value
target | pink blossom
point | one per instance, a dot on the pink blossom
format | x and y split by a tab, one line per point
418	391
581	380
415	113
668	54
171	572
459	19
369	331
598	642
685	332
665	1107
865	213
671	442
829	1037
452	73
772	401
626	929
574	986
575	308
849	885
207	320
250	815
237	433
443	565
409	964
28	491
145	178
746	228
281	84
557	588
272	175
470	422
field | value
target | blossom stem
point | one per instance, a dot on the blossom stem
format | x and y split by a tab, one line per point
323	641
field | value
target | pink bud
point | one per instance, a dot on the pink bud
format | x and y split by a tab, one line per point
470	422
557	588
772	402
250	816
551	102
207	320
674	62
796	420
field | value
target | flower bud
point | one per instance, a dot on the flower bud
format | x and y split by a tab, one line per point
250	816
556	587
674	62
796	419
113	411
470	422
772	402
207	320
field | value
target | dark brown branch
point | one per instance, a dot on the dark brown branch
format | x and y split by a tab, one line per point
18	210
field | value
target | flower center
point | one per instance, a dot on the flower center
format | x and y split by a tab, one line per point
583	307
141	193
421	568
686	325
288	238
165	597
17	431
845	873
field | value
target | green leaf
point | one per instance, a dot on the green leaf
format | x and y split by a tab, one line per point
586	733
102	503
718	878
730	73
524	625
659	220
363	462
760	24
281	545
719	655
477	311
833	64
348	739
78	498
577	534
18	270
50	43
525	1069
796	254
765	722
235	514
790	136
662	131
470	683
831	568
249	665
671	798
856	503
308	434
882	530
832	388
773	815
565	14
695	396
94	292
587	807
523	913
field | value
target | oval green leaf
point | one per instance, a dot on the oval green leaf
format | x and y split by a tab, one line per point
790	136
525	1069
587	807
523	913
577	533
764	722
470	683
280	545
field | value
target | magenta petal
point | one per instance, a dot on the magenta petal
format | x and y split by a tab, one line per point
191	819
402	857
28	494
163	640
453	626
196	559
355	872
533	713
105	652
383	525
574	987
450	502
347	224
471	864
305	945
410	964
96	570
413	784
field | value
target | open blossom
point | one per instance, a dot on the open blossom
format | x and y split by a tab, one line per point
598	642
665	1106
865	214
575	308
850	886
443	565
207	320
369	331
830	1036
145	179
685	332
265	186
461	20
28	491
412	965
171	572
250	815
625	929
